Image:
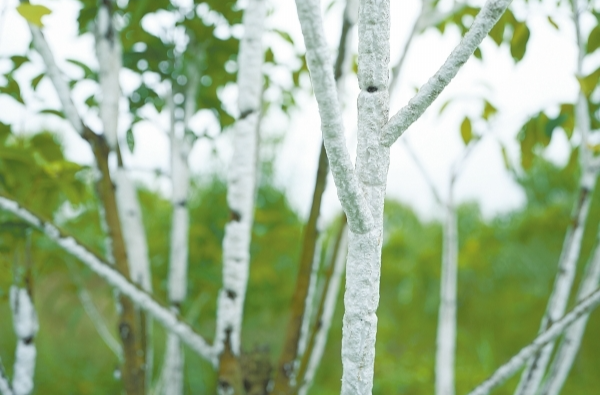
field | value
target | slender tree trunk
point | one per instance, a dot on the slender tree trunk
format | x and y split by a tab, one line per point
505	371
565	356
25	321
318	336
181	145
446	335
567	265
284	381
240	198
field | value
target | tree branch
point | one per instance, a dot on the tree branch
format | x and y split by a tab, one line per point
142	299
483	23
350	194
508	369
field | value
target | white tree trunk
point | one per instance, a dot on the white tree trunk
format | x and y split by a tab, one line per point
181	145
25	323
567	265
141	298
446	334
241	181
364	252
571	341
329	308
505	371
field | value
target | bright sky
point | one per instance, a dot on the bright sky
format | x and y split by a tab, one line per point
543	79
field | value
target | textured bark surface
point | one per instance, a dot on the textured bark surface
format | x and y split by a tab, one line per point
241	186
285	367
483	23
326	307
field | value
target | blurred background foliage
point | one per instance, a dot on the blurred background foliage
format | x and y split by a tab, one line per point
506	269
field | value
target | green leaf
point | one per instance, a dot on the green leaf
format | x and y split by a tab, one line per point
505	157
589	83
593	42
285	36
488	110
444	106
33	13
36	80
568	125
518	43
477	53
18	61
87	72
466	131
53	112
12	89
130	140
551	21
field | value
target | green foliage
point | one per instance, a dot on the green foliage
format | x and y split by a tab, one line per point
33	13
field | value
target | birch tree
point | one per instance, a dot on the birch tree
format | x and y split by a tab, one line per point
179	87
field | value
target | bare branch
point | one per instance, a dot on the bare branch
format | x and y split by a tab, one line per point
483	23
142	299
508	369
349	191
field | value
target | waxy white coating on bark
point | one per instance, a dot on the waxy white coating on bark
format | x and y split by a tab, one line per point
565	356
372	162
52	71
241	181
310	296
327	316
483	23
108	51
536	367
142	299
172	377
319	63
178	253
25	324
508	369
130	215
533	375
446	332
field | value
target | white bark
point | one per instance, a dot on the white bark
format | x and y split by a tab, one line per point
56	77
446	332
108	51
483	23
536	367
319	63
242	180
171	380
310	296
141	298
508	369
571	341
25	324
329	308
364	253
134	234
181	145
